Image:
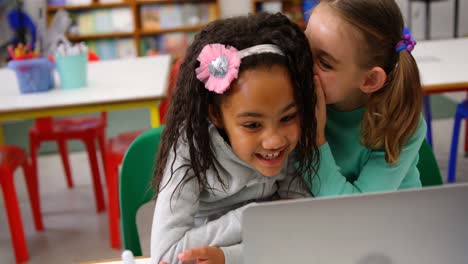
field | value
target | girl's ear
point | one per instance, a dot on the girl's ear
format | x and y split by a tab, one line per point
215	117
374	79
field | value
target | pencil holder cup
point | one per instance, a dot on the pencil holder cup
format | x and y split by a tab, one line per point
33	75
72	70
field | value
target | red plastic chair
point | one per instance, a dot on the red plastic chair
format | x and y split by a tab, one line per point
86	129
11	158
115	152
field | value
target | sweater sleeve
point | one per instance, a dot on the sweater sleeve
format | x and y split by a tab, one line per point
173	228
233	254
376	174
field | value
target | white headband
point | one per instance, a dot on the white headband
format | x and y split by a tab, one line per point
263	48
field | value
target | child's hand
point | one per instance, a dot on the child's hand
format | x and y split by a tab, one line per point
320	112
205	255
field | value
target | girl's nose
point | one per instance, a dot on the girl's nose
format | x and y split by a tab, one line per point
274	141
315	68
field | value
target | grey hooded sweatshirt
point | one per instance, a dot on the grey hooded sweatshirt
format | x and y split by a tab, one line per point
187	217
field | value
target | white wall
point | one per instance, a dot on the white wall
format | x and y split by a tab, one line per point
441	18
441	12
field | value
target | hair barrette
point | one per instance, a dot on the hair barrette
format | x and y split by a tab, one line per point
407	42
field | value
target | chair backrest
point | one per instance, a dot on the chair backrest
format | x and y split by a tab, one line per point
135	184
428	168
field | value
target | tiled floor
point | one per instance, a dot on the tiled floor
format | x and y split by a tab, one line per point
74	232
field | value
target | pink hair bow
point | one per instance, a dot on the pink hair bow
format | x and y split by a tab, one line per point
219	66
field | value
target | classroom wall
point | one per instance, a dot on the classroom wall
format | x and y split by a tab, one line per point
442	16
442	13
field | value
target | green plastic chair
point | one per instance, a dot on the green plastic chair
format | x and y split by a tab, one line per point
427	166
135	184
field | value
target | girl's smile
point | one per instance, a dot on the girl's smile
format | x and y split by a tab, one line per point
260	118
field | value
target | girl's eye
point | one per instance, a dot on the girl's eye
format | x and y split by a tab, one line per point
324	65
251	125
288	118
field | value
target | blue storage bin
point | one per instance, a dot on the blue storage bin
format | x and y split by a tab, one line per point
33	75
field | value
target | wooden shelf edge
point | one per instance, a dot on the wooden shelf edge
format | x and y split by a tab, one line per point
90	6
99	36
146	32
143	2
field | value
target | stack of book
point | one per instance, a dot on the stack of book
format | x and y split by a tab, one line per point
113	48
158	16
173	43
104	21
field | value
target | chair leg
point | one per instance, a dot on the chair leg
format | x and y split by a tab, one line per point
466	133
34	145
466	138
454	148
102	147
33	191
62	144
112	177
428	115
14	218
91	149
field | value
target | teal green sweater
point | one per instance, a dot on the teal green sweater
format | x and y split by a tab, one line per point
348	167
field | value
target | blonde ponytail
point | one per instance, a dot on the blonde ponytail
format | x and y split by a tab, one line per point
392	113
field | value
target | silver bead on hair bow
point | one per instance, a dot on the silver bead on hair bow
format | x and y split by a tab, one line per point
219	67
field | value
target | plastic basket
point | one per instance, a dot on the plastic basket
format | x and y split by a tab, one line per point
33	75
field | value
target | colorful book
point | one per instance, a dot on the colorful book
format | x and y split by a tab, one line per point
103	21
150	17
122	20
171	16
125	48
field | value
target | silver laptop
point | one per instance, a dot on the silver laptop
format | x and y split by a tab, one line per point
425	226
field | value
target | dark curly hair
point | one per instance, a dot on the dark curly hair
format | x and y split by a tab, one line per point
188	112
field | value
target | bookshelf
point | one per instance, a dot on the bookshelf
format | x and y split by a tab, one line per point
291	8
85	7
139	32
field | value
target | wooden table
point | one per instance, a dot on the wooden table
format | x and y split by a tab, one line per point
443	65
112	85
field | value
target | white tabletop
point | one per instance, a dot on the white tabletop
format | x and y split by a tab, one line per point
137	261
110	81
443	62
